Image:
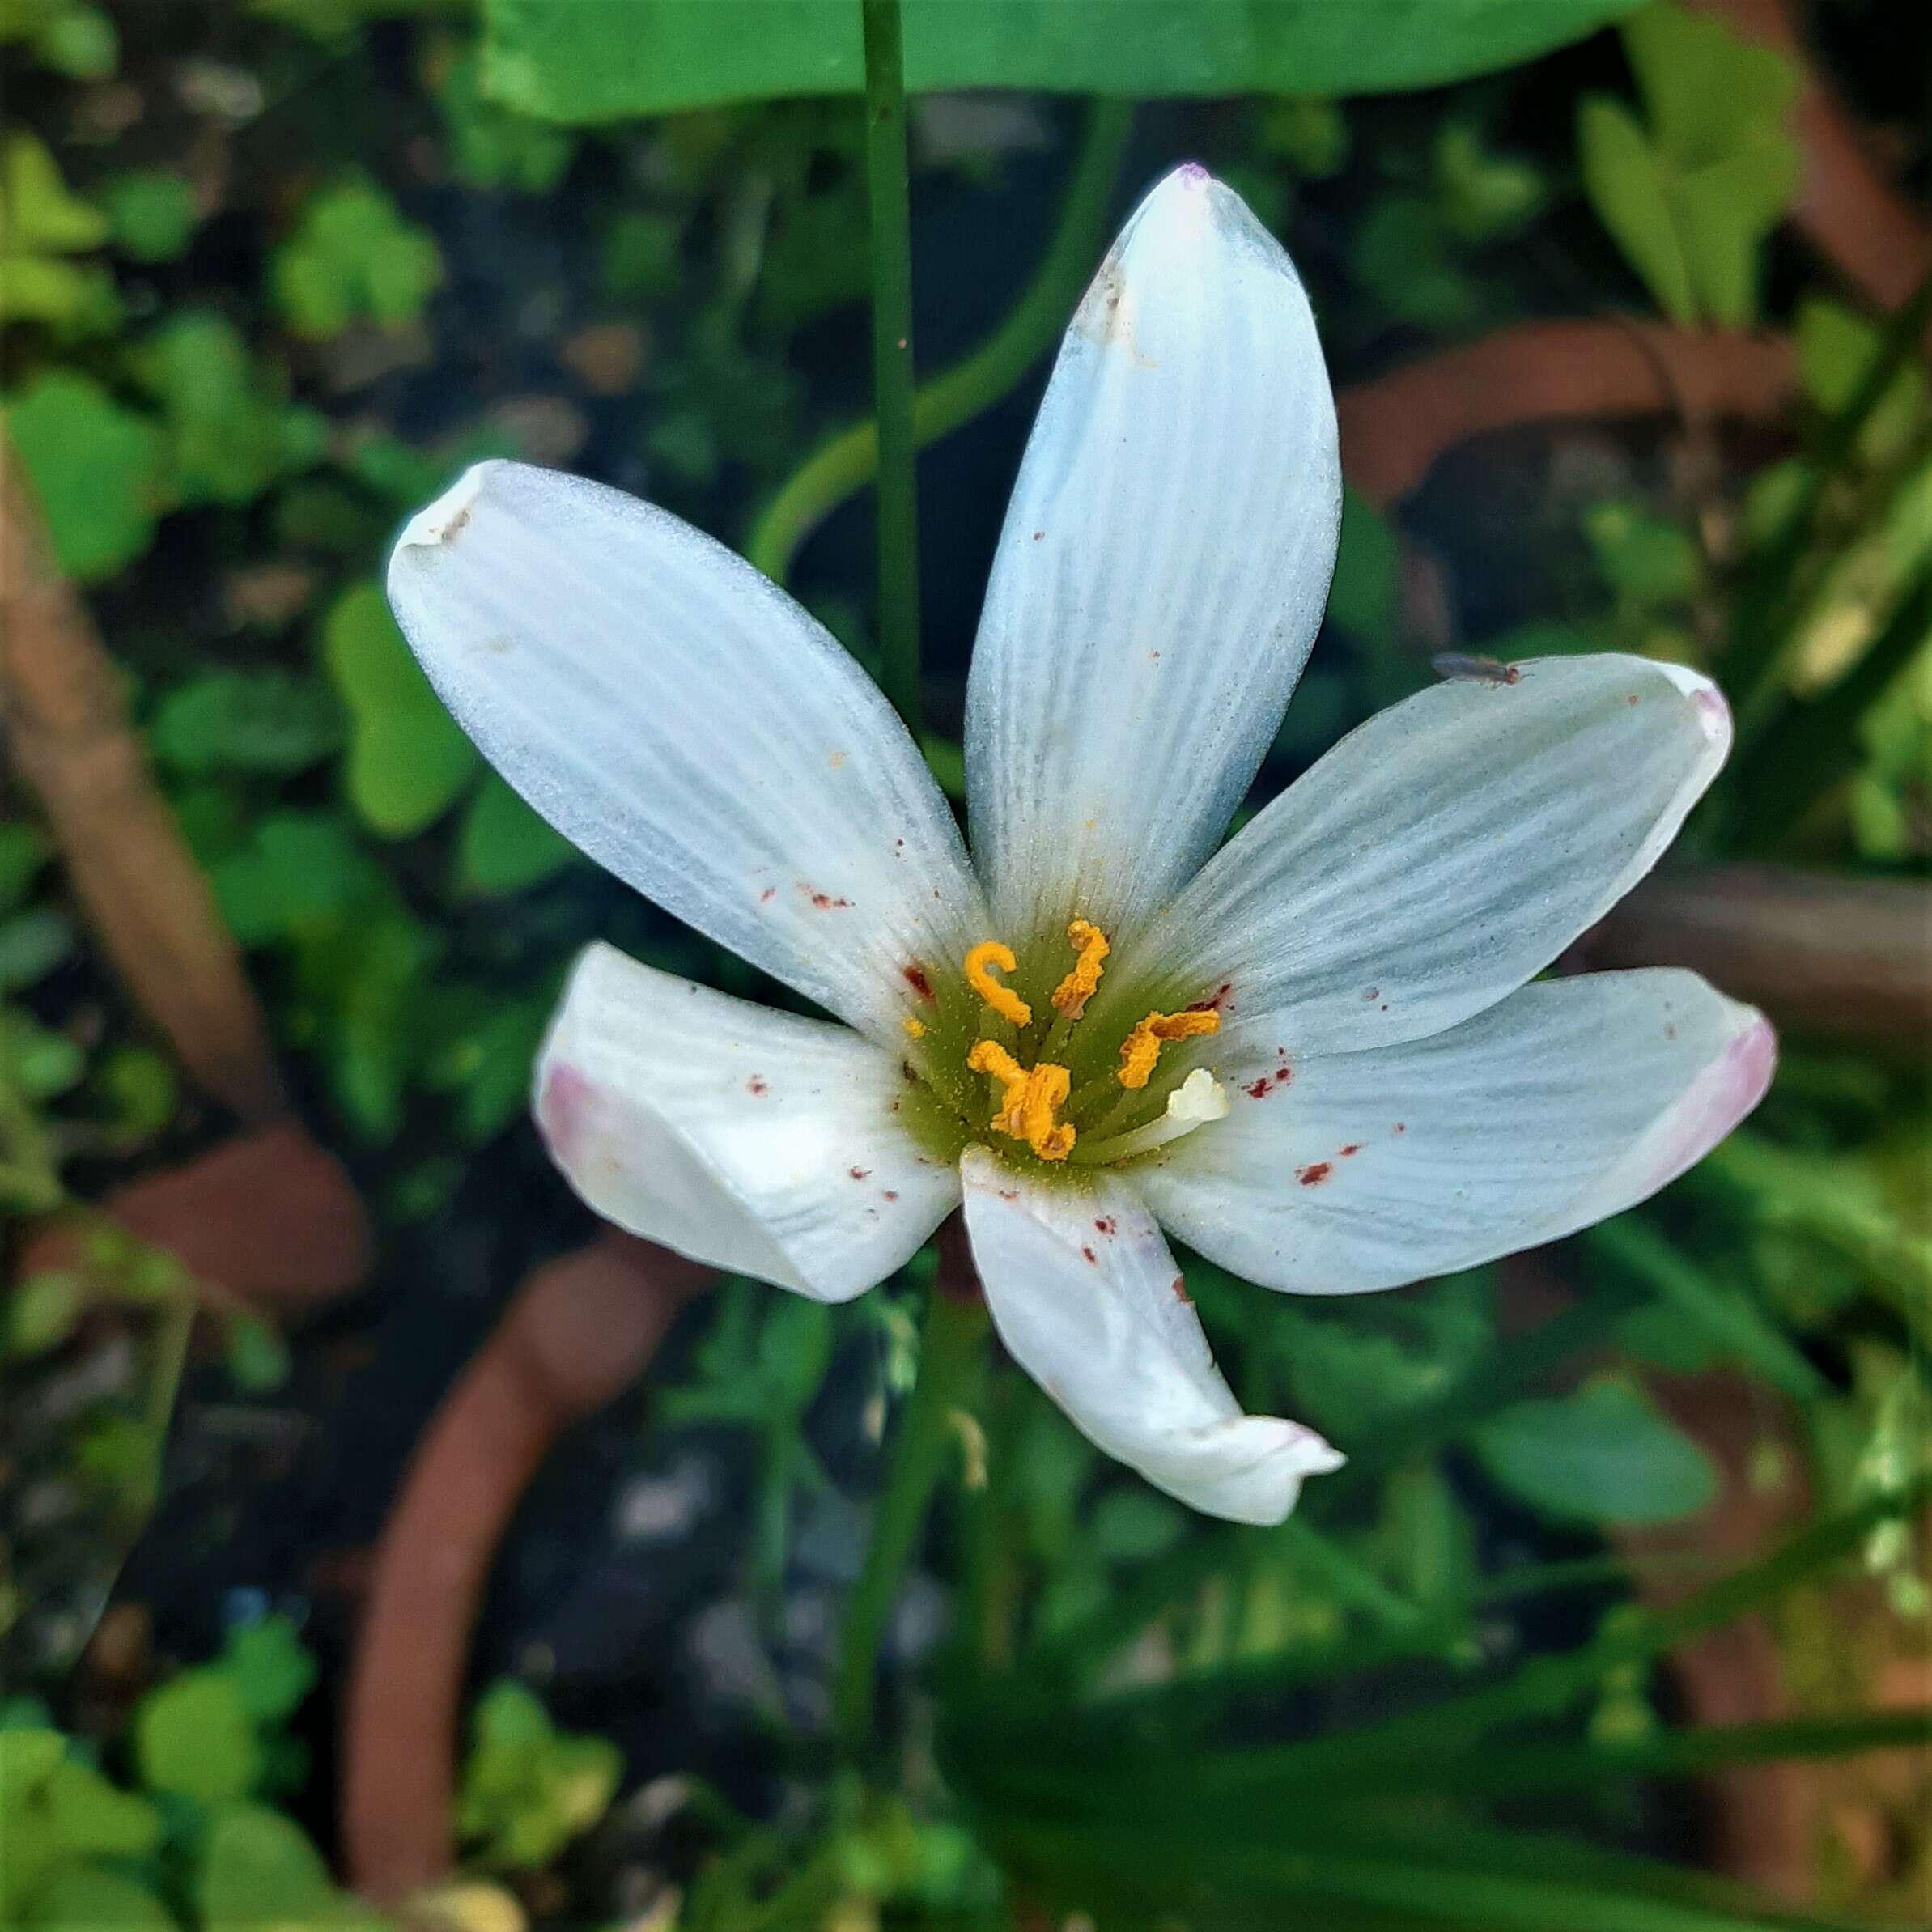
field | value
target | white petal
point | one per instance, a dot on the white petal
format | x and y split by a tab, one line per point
1162	569
1443	854
1571	1101
1088	1302
675	716
755	1140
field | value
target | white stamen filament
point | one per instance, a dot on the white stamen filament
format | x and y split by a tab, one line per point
1198	1099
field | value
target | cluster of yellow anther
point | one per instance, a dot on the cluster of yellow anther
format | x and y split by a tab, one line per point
1032	1096
1070	997
1003	999
1141	1048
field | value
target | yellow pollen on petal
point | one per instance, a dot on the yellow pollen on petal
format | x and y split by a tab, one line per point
1030	1097
914	1025
1141	1048
1003	999
1070	997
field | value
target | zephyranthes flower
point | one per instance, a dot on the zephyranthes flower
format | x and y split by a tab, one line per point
1315	1055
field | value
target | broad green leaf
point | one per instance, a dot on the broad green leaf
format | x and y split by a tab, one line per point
1692	196
23	851
505	846
1602	1455
352	258
96	468
86	1898
194	1736
492	147
1627	184
408	757
92	1817
270	721
231	433
151	212
1836	347
32	944
234	432
599	60
41	225
270	1667
302	871
259	1870
40	1313
35	1059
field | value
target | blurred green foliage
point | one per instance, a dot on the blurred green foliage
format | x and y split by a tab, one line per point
1430	1698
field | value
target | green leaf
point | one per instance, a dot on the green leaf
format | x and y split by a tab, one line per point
96	468
91	1817
353	258
256	1357
231	433
489	146
259	1870
1627	185
270	1668
505	846
35	1059
150	213
270	721
528	1789
85	1898
599	60
302	872
1836	347
1602	1455
23	852
41	224
408	757
194	1736
40	1313
32	945
1691	201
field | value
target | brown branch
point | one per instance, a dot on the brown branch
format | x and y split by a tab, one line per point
1848	206
580	1331
1395	426
1844	957
142	890
268	1216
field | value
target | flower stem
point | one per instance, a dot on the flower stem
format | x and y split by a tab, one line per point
848	460
891	356
950	1354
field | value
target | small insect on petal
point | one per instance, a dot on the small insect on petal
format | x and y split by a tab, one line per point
1483	670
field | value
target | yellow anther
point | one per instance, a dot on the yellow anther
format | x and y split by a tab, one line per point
914	1026
1141	1048
1070	997
1003	999
1030	1097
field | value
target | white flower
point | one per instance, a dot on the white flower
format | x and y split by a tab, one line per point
1315	1055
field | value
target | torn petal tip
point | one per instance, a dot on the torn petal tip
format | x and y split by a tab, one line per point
445	518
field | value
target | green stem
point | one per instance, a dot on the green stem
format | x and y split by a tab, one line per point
891	356
950	1351
841	467
1760	626
1813	745
1353	1582
1733	1322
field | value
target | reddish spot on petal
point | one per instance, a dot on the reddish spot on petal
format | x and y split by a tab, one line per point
915	976
767	895
1104	1224
757	1084
1091	1256
892	1194
1402	1127
1354	1147
1314	1174
1257	1090
823	901
858	1173
1180	1291
1375	992
1037	535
